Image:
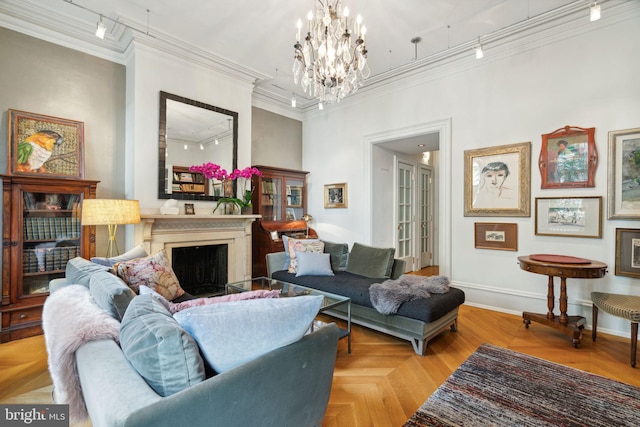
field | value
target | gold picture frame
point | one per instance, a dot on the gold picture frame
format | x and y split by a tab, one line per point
336	196
497	181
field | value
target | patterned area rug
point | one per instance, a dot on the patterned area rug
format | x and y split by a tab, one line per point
500	387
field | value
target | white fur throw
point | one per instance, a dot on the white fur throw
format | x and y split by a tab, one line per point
69	318
387	296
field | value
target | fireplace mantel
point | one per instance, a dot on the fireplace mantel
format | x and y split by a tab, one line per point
157	232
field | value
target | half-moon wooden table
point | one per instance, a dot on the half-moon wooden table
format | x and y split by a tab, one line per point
563	267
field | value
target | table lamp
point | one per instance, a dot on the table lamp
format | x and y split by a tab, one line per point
306	217
110	212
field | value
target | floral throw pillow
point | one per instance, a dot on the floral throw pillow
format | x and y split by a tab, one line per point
302	245
153	271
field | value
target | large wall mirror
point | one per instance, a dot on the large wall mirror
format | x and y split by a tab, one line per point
192	133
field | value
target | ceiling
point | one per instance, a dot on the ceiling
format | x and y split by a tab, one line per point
259	34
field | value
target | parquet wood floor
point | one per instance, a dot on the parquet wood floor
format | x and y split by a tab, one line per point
382	382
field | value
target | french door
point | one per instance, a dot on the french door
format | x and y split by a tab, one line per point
414	215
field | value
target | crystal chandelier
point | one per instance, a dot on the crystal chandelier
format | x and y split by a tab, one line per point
331	61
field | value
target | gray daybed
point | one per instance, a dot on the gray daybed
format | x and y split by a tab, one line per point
417	320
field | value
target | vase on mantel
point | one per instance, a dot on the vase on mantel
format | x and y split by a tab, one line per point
247	210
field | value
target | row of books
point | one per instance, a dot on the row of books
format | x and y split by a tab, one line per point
44	228
48	259
188	177
50	201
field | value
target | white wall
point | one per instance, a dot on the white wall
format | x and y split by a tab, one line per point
148	72
587	78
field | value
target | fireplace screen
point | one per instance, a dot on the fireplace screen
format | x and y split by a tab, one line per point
201	270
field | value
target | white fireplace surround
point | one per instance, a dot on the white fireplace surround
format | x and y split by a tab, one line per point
157	232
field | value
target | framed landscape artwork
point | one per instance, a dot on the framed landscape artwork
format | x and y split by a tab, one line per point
568	158
45	146
624	174
569	216
497	181
500	236
628	252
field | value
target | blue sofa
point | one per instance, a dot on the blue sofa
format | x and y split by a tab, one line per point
417	321
288	386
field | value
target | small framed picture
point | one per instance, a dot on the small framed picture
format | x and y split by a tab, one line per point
291	214
628	252
189	209
493	235
569	216
335	196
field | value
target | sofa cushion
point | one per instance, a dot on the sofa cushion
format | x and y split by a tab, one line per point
302	245
357	287
175	307
137	252
370	262
339	254
163	353
234	333
313	264
110	293
153	271
80	270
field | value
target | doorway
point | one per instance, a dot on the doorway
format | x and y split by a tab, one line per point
381	150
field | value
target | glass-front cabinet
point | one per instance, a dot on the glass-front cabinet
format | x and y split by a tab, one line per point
279	196
41	232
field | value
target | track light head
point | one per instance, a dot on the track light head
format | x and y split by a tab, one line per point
594	12
100	29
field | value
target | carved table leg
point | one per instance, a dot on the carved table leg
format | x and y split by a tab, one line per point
550	298
563	301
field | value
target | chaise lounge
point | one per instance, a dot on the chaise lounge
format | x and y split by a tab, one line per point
417	320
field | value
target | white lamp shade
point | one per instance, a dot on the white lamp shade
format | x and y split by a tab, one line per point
110	211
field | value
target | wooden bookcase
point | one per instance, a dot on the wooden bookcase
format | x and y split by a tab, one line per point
280	196
184	181
41	231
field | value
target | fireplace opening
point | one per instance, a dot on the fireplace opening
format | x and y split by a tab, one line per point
201	270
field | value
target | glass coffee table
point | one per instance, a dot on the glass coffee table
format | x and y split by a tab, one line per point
288	290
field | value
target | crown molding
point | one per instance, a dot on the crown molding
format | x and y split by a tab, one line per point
545	29
25	16
77	34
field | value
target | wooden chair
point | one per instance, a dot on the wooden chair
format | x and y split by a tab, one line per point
625	306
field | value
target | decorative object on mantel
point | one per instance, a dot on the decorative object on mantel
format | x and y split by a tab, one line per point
328	64
568	158
110	212
232	204
170	207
